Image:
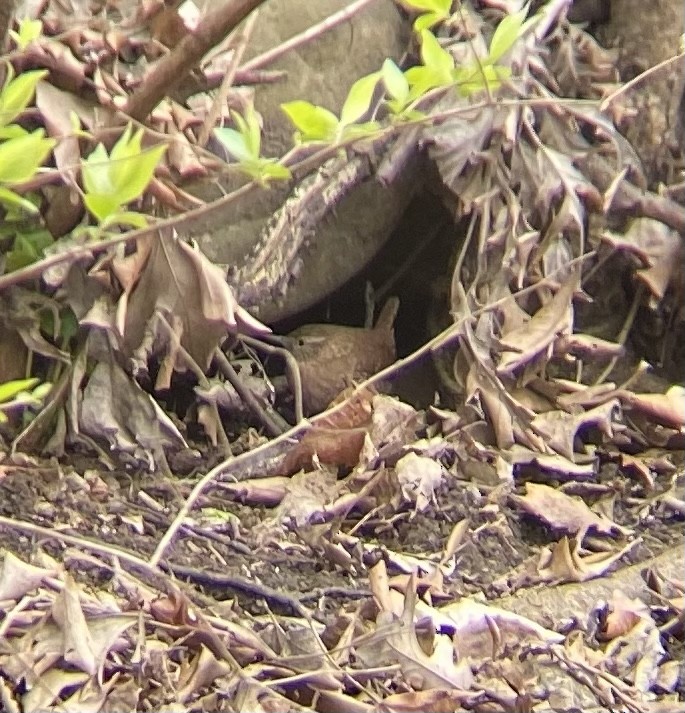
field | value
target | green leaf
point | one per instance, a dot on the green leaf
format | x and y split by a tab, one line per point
474	78
276	171
434	56
29	30
12	131
10	389
234	142
314	123
430	19
101	205
264	170
251	130
76	129
133	174
357	131
41	391
27	247
409	115
429	5
95	171
17	93
131	218
21	157
11	199
506	33
358	99
112	181
423	79
395	82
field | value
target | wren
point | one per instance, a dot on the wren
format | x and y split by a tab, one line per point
332	357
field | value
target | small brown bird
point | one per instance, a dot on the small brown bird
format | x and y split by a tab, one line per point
332	357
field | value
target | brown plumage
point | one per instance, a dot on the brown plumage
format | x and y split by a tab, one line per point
332	357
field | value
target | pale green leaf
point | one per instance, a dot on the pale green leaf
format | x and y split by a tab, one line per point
76	129
423	79
409	115
132	174
276	171
101	205
41	391
248	128
395	82
357	131
29	30
10	389
506	34
358	99
17	93
430	19
126	145
129	218
12	131
11	199
313	122
254	132
429	5
21	157
234	142
434	56
264	170
474	79
95	171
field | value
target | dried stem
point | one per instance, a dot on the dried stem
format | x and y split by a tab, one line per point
170	70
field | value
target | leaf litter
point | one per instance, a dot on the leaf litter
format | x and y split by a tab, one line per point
521	551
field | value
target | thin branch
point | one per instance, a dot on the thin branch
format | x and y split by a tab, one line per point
216	110
291	366
273	422
169	71
303	37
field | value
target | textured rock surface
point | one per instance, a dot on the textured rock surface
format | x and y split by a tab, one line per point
321	72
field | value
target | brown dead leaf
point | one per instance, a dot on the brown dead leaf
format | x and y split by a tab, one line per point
335	447
523	344
180	280
49	688
565	564
587	346
78	648
307	497
559	428
655	245
666	409
205	669
115	409
259	491
396	641
438	700
393	423
17	577
182	157
354	414
624	614
563	512
482	382
473	621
